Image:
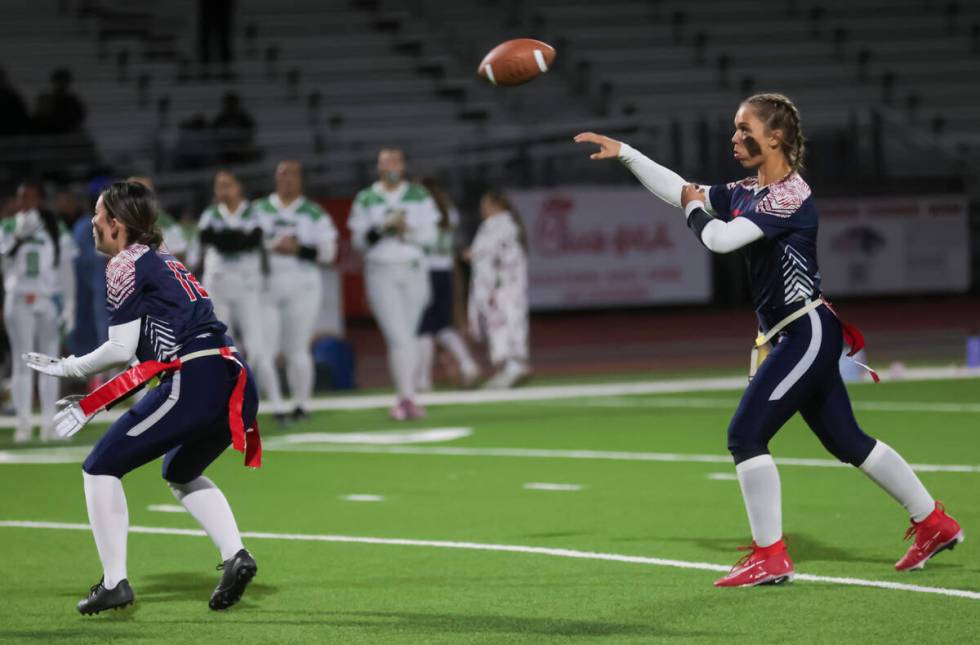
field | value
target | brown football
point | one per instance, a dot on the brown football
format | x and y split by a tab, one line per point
517	61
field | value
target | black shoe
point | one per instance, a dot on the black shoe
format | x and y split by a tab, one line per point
299	414
238	572
100	598
281	418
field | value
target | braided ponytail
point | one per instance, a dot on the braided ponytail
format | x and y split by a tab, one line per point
778	113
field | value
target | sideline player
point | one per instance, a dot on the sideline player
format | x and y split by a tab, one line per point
300	238
437	320
161	316
498	305
232	234
39	288
393	224
772	220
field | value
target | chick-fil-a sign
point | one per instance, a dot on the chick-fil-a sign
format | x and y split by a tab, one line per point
602	246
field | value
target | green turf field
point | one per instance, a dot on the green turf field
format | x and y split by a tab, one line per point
656	494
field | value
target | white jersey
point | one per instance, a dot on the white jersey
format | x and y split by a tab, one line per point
245	219
499	280
375	207
443	251
29	256
305	220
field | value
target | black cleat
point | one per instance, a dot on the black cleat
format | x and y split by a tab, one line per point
282	418
238	572
100	598
299	414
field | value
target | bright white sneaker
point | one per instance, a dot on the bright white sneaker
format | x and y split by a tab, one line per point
511	374
23	433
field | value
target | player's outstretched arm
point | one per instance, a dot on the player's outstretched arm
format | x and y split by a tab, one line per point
662	182
119	349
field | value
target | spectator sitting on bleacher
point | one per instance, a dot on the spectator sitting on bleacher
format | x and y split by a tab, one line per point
14	118
59	111
234	131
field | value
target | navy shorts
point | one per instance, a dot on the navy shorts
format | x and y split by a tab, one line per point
439	314
801	374
184	419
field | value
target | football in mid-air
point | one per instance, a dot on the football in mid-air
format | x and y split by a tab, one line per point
517	61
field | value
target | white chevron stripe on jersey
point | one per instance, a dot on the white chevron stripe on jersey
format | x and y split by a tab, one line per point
120	274
797	283
161	336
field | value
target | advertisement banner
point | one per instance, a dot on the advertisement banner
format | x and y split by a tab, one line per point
887	246
600	246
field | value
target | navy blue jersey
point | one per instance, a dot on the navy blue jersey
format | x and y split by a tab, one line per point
153	286
782	265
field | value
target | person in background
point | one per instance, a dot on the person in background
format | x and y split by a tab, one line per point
235	271
91	316
39	301
393	223
498	304
59	111
437	320
300	238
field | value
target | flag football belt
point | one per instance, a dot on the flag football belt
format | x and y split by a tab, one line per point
243	440
852	336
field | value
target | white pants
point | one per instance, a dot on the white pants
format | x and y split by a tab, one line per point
32	327
507	330
237	299
291	310
398	293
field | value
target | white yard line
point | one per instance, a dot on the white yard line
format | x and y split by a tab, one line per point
731	404
552	487
511	548
546	392
606	455
76	454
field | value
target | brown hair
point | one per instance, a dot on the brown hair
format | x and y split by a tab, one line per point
442	199
501	199
777	112
136	207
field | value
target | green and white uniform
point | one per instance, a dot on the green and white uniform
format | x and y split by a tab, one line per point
173	235
291	304
396	270
39	298
236	284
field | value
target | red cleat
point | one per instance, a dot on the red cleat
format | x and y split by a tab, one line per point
936	533
765	565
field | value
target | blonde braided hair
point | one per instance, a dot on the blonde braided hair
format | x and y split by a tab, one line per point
778	113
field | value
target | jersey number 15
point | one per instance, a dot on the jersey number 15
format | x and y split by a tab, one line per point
187	281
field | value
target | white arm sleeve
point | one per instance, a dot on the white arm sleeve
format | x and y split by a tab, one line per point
326	244
662	182
120	348
725	237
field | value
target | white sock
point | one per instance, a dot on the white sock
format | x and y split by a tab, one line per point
759	480
453	342
208	505
889	470
402	358
423	368
299	371
265	372
109	518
